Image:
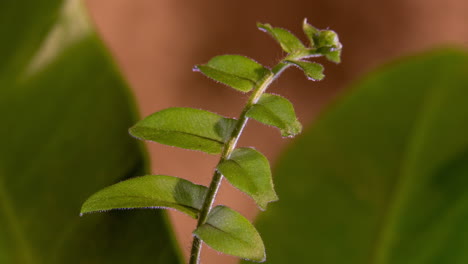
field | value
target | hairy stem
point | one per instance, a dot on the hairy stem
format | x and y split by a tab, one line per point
227	151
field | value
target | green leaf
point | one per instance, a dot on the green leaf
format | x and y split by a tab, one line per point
249	171
65	113
277	111
326	42
239	72
312	70
186	128
334	56
383	173
151	191
229	232
311	32
328	38
289	43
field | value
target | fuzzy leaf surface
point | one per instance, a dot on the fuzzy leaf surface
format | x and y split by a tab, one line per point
312	70
288	42
187	128
277	111
311	32
249	171
65	115
239	72
328	39
151	191
334	56
383	173
229	232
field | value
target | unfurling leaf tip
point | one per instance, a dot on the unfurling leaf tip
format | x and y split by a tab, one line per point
263	27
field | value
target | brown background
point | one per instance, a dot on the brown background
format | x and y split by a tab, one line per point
157	42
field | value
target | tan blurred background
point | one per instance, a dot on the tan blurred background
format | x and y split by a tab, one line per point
157	42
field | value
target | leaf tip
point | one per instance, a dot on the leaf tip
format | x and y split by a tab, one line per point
196	68
84	211
293	130
131	131
259	259
316	78
262	205
263	27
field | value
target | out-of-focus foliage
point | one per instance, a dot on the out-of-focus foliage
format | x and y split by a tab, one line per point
382	176
65	112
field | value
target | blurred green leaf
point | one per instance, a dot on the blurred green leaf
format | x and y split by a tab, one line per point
312	70
229	232
239	72
187	128
382	176
288	42
151	191
277	111
249	171
65	114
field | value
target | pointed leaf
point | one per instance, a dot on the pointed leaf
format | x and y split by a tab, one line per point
277	111
239	72
249	171
289	43
311	32
186	128
66	110
334	56
312	70
227	231
151	191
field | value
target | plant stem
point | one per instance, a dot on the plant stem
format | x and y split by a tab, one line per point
227	151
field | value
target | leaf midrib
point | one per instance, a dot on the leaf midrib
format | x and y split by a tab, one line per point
244	171
385	235
185	133
253	82
230	234
12	220
273	116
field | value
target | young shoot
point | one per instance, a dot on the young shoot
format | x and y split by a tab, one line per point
221	227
